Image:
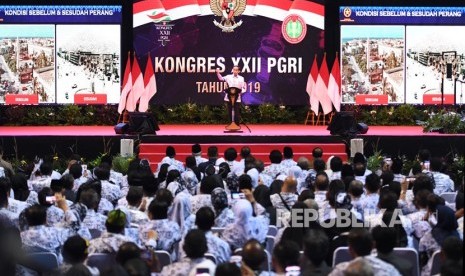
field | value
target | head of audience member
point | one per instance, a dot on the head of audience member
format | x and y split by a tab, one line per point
150	186
173	175
385	239
421	199
259	165
436	164
43	194
459	201
359	158
316	246
249	163
36	215
245	152
288	153
347	170
20	187
275	186
210	170
195	244
227	269
67	181
75	250
275	156
46	169
102	173
359	169
116	221
289	185
212	152
394	187
321	182
230	154
158	209
205	219
191	162
245	182
134	196
262	196
317	153
372	183
57	186
433	201
170	152
446	224
355	189
90	199
397	166
452	249
303	163
424	155
76	170
163	172
223	169
422	182
387	201
107	159
196	149
336	164
137	267
126	252
319	165
360	242
253	254
219	199
209	183
336	195
285	254
387	177
305	194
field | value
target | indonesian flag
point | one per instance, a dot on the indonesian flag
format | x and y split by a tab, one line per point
334	86
178	9
312	12
321	88
312	77
204	6
148	11
127	85
250	8
150	86
137	86
273	9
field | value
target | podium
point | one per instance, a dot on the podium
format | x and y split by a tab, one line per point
233	94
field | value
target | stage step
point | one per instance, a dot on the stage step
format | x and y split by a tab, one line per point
154	152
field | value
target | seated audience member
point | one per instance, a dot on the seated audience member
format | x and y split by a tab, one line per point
286	256
113	237
317	152
197	154
208	184
253	258
92	220
160	229
67	181
75	254
212	154
170	159
104	206
370	201
227	269
420	226
335	167
21	190
288	158
204	219
442	181
230	155
115	177
452	257
432	241
360	246
7	216
407	197
316	248
336	199
355	192
396	168
192	180
287	197
275	167
76	171
162	174
246	226
41	238
134	199
223	214
47	199
321	188
181	213
174	183
8	168
12	205
195	246
385	240
110	191
43	178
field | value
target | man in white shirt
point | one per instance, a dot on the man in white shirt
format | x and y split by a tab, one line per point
236	82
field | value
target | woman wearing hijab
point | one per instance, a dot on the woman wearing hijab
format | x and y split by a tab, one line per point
245	226
224	215
432	241
191	181
262	196
181	212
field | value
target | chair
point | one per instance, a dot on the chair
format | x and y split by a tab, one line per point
211	257
95	233
102	261
437	262
341	254
411	255
449	197
269	243
272	230
46	261
164	258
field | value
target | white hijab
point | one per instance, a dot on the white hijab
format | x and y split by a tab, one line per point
181	209
249	226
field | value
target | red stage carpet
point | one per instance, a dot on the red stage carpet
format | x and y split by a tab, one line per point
210	130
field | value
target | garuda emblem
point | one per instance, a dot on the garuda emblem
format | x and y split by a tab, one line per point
228	10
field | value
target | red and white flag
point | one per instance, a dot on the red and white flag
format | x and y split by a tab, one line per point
126	86
312	77
274	9
178	9
312	12
204	6
250	8
137	86
334	85
150	86
148	11
321	87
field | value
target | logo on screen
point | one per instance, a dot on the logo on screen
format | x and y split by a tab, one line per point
347	12
294	28
228	10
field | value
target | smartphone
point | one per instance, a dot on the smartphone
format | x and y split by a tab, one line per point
50	199
237	196
84	167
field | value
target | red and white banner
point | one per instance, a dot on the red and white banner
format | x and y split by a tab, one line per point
150	86
371	99
127	85
313	13
321	87
250	8
204	6
148	11
273	9
21	99
178	9
436	99
90	98
334	85
312	77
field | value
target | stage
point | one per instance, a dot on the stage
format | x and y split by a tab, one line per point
93	140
